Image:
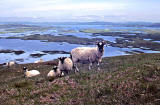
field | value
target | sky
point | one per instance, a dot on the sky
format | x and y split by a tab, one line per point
81	10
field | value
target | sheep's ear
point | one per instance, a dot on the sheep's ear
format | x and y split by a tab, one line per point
96	43
59	58
62	58
104	42
54	67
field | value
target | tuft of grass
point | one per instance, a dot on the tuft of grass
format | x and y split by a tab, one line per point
23	84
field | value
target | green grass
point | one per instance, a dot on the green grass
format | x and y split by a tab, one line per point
148	31
133	79
67	38
96	30
26	29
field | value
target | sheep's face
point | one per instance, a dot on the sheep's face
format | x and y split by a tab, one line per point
55	68
24	68
62	59
101	46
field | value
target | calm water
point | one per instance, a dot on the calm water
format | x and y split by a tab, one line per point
36	46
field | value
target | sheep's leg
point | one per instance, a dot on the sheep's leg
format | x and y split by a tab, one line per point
98	65
90	64
76	68
67	72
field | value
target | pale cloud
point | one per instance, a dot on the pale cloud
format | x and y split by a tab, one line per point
86	10
81	6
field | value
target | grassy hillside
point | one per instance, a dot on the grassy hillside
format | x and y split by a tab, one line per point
133	79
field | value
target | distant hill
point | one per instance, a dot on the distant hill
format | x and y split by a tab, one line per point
155	25
22	20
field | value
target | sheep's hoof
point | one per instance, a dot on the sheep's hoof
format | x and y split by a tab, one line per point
77	70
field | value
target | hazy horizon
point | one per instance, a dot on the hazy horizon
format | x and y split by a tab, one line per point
80	10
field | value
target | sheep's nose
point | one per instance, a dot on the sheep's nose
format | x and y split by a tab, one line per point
100	50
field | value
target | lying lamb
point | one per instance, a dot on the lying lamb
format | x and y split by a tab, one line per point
30	73
56	72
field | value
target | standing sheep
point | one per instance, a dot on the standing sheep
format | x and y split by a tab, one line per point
30	73
55	72
88	55
65	64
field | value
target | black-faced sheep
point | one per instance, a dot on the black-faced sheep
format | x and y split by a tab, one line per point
30	73
56	72
65	64
88	55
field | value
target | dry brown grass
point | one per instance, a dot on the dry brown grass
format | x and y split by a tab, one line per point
124	80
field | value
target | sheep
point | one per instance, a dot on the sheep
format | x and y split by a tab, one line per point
30	73
39	61
9	64
65	64
55	72
88	55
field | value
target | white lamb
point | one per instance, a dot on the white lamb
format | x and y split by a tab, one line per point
65	64
56	72
88	55
30	73
39	61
